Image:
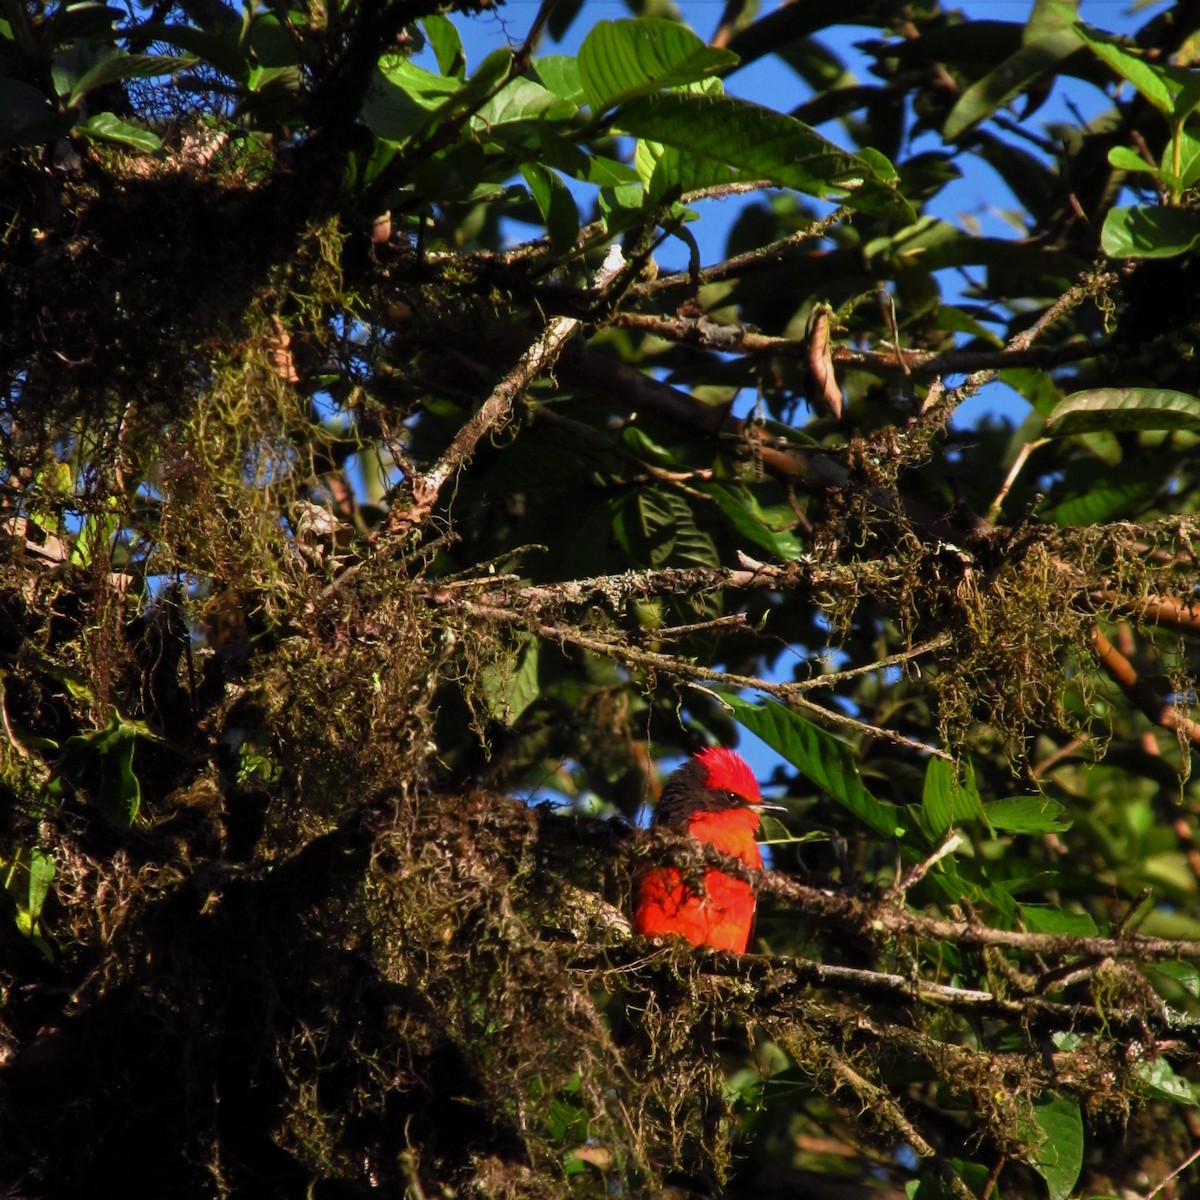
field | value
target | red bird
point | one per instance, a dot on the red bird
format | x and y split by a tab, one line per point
714	797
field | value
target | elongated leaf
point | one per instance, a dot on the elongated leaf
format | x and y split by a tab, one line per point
1114	410
822	758
1026	814
726	132
111	128
404	99
447	45
948	798
1105	501
623	59
1008	80
119	794
556	205
743	512
1059	1158
1143	232
220	52
1042	918
41	876
1159	84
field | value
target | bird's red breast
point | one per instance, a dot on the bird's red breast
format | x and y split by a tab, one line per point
714	798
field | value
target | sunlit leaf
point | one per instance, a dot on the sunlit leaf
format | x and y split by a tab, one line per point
1042	918
1117	410
742	510
511	683
1164	1083
1144	232
1059	1157
724	132
1026	814
1159	84
623	59
447	45
949	796
822	758
111	128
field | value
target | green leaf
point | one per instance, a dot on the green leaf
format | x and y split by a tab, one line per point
560	73
403	100
1008	80
111	128
41	876
522	100
101	761
556	205
1164	1084
119	794
1116	410
722	132
1044	918
656	527
1104	501
745	515
272	43
950	796
1184	973
126	66
620	60
1059	1157
447	45
220	52
1189	158
1026	814
1143	232
98	530
822	758
1125	159
1158	84
510	684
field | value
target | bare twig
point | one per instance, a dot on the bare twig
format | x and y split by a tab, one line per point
1183	1166
993	513
940	403
494	411
742	264
912	877
1124	674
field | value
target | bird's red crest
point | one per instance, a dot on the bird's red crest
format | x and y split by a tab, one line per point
729	771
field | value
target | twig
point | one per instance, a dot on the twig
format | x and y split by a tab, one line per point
938	642
884	1105
724	338
678	667
743	264
939	403
494	411
914	876
993	513
1183	1166
1124	674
